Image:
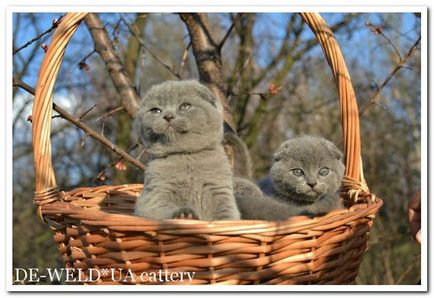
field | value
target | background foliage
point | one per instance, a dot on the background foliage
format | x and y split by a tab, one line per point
278	85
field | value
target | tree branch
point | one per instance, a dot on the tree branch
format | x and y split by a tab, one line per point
56	22
89	131
142	43
119	159
288	48
282	53
184	59
235	20
244	68
208	58
288	54
378	30
374	97
105	49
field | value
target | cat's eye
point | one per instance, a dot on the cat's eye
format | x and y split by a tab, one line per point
297	172
155	110
185	107
324	171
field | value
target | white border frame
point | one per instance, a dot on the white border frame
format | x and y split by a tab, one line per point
215	8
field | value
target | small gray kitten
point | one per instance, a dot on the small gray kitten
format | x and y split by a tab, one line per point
304	179
180	123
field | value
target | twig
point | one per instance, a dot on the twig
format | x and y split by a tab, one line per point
19	113
103	140
109	113
142	43
288	49
76	121
115	68
184	58
254	124
102	128
222	42
377	30
237	80
26	62
116	28
87	112
83	139
56	22
83	61
120	158
392	45
401	64
404	273
18	83
240	75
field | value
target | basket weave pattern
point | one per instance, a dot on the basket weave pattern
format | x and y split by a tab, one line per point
94	228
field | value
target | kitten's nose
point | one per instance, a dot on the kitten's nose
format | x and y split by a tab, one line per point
168	117
311	183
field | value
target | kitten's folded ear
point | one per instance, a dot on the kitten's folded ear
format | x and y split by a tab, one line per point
277	156
334	150
280	151
208	95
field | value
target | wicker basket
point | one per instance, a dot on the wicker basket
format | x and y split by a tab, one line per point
94	228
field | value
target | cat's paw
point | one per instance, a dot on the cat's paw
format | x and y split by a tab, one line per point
245	188
185	213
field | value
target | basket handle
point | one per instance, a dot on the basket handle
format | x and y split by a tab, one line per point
354	185
46	190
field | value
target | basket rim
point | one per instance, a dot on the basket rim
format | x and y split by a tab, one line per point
124	222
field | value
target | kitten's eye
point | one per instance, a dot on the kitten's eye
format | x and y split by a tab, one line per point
276	159
185	107
155	110
324	171
297	172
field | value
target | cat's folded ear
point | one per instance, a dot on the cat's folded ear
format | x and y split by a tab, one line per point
334	150
277	156
205	93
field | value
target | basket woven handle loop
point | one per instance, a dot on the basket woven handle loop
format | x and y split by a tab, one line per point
354	184
46	188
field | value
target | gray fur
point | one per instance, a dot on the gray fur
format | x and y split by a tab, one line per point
310	155
253	204
188	169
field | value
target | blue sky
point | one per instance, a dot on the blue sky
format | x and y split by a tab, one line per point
361	46
350	47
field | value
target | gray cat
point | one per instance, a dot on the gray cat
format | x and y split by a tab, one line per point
189	176
304	179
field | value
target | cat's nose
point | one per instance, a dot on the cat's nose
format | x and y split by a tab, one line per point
312	183
168	117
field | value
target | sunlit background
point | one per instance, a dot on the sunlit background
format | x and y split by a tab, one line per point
263	51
